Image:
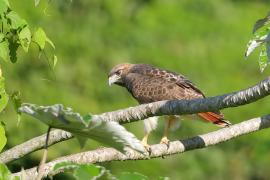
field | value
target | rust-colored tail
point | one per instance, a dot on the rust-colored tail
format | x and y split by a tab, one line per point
215	118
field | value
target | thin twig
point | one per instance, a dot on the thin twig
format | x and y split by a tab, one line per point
44	157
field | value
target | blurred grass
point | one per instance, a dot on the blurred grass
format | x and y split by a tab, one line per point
204	40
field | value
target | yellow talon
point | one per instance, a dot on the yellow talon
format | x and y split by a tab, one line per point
145	144
165	140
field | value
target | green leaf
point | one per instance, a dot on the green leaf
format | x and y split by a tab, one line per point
15	21
37	2
3	6
54	60
110	133
132	176
50	42
13	47
3	95
88	171
3	139
261	22
263	59
5	174
267	44
254	43
2	36
25	38
16	99
87	118
65	165
83	171
4	50
7	2
40	38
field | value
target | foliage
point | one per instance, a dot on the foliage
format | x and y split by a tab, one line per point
3	95
15	33
261	38
201	39
91	171
5	173
84	171
110	133
3	139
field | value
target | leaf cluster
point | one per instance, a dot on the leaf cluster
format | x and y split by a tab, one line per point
261	38
15	33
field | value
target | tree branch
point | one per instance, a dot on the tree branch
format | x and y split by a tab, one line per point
34	144
140	112
158	150
179	107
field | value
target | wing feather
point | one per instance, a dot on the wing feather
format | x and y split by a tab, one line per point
167	75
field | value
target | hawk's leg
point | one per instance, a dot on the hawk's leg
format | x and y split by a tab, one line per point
150	124
168	123
145	143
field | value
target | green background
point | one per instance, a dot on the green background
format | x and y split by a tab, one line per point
204	40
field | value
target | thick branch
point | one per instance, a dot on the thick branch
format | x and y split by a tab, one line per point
201	141
178	107
131	114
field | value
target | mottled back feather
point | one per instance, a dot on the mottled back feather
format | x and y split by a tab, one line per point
149	84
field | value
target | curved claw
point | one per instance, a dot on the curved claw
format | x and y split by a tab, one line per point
147	147
166	141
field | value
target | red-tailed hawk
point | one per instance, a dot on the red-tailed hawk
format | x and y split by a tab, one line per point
149	84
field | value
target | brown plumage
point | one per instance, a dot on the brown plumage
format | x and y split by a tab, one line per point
149	84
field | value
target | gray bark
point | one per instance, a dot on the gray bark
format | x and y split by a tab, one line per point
140	112
158	150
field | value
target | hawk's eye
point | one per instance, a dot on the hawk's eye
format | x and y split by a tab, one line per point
118	72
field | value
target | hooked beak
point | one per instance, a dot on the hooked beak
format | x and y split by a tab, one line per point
113	79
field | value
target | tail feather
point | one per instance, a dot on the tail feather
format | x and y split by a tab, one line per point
215	118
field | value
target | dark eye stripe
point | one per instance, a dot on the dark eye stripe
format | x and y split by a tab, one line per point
118	72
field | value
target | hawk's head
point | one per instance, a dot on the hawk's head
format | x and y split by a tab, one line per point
118	72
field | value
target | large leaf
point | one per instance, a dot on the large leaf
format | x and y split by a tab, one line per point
3	6
54	60
3	95
25	38
263	59
41	38
3	139
37	2
110	133
261	22
254	43
4	50
84	171
13	47
15	21
5	173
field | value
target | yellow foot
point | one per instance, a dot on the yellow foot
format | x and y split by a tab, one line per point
146	146
166	141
